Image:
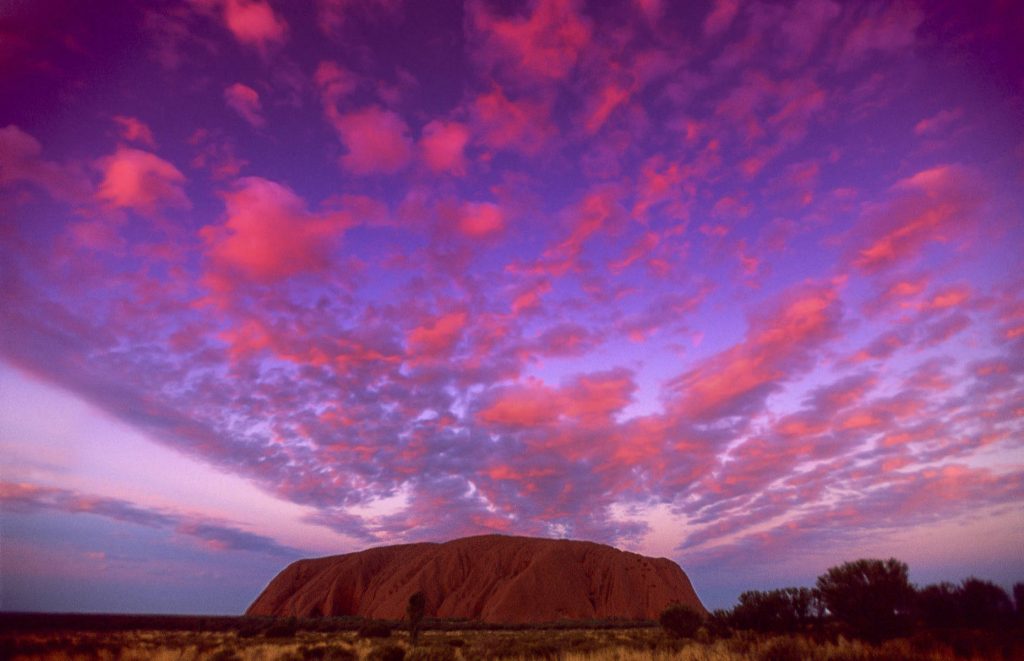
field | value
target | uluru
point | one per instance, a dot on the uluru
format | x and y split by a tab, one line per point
488	578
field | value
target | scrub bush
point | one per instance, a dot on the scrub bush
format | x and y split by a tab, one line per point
680	621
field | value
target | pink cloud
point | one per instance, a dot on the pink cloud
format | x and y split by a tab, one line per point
503	472
438	337
247	338
528	405
667	312
769	116
883	346
363	209
801	101
943	328
335	83
886	29
658	182
599	210
801	179
778	344
377	141
246	102
443	145
745	104
215	154
731	207
270	235
931	206
23	162
905	288
568	339
332	15
929	376
256	333
545	44
594	398
938	122
480	219
529	298
254	23
133	129
214	533
843	393
642	248
897	294
861	419
805	25
142	181
721	16
603	104
504	124
889	499
96	235
948	297
652	10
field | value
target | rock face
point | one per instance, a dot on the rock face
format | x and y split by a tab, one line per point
493	578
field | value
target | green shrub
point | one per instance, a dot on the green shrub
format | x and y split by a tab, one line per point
985	605
872	598
374	629
285	628
680	621
415	611
249	627
325	653
938	606
388	653
788	610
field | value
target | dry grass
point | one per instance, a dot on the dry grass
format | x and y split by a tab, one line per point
563	645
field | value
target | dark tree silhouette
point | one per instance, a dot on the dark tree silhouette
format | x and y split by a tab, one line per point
719	623
680	621
939	606
984	604
870	597
777	611
415	610
1018	598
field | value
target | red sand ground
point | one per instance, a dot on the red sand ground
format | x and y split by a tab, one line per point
492	578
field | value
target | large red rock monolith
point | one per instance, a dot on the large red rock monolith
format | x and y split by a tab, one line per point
492	578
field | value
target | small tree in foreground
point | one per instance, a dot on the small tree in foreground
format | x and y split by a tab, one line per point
415	610
1018	599
871	597
939	606
788	610
985	604
680	621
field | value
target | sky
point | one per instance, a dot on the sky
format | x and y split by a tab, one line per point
733	283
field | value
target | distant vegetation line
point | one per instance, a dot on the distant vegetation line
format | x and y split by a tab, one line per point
100	622
872	600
